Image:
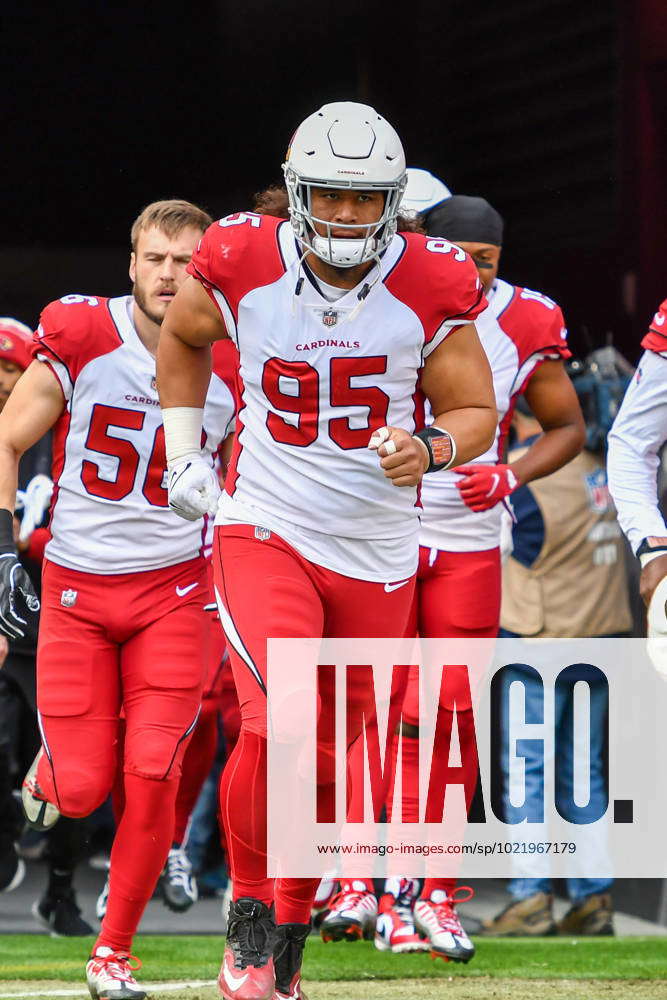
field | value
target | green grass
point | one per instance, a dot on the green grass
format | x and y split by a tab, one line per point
32	957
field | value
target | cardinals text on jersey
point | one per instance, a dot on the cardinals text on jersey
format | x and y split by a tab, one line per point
317	378
519	330
109	512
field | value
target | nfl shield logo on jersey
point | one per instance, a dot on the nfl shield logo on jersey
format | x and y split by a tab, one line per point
262	534
153	383
330	317
68	598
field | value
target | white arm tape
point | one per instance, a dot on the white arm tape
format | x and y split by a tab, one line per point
647	557
182	431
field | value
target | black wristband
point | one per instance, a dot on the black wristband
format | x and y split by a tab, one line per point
645	548
6	532
440	446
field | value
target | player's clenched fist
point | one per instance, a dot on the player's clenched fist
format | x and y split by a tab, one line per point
483	486
193	487
403	458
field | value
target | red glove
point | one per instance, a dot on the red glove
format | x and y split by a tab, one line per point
483	486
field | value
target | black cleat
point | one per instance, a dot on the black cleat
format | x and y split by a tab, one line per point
287	957
247	971
61	915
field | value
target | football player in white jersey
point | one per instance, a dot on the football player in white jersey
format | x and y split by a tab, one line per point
457	594
336	316
635	441
123	626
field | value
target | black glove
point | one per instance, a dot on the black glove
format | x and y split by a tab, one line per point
19	604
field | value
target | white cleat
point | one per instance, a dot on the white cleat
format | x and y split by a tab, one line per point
395	928
109	976
352	914
437	920
40	814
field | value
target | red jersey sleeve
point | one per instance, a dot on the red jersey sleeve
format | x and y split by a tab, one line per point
235	255
536	325
439	282
71	332
656	338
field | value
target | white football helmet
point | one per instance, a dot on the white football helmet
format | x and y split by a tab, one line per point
342	146
423	192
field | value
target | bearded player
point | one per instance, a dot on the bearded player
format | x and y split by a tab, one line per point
457	593
335	316
123	627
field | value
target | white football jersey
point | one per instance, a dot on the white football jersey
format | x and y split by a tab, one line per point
318	377
519	330
109	509
637	437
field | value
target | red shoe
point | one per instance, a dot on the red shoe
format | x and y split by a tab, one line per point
395	928
437	920
287	956
247	971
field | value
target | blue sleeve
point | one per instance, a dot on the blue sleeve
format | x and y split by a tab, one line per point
528	531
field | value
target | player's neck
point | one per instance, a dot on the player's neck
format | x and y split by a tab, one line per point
339	277
147	331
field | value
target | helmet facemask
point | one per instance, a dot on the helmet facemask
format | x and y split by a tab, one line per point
366	241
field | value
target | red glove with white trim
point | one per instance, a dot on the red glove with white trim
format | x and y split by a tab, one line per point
483	486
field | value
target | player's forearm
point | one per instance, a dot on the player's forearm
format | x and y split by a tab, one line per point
552	450
473	429
9	466
183	371
633	486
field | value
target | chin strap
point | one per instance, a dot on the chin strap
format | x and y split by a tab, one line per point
362	294
366	288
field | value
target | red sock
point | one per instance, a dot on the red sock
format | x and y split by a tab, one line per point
243	811
294	899
466	728
410	779
139	851
197	763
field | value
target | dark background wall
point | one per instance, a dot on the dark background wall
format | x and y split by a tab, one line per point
555	110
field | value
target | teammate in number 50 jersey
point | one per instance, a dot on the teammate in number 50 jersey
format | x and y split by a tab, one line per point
336	317
125	581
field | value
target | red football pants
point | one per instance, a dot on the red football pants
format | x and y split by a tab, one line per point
457	596
106	643
265	588
200	753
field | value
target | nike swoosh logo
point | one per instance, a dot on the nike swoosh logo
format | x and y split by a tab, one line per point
182	591
495	479
388	587
233	982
